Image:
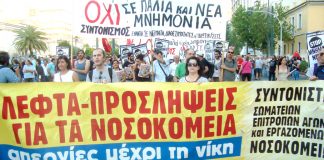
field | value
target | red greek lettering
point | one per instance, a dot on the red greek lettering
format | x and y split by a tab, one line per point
108	11
75	132
175	128
28	134
219	125
118	14
193	102
94	97
229	105
39	134
8	107
128	133
142	95
221	99
98	11
112	101
208	126
148	127
98	130
61	124
193	127
22	107
229	125
158	124
73	105
158	103
129	109
15	128
59	97
174	101
114	123
41	110
210	98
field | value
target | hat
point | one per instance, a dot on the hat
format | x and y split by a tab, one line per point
200	54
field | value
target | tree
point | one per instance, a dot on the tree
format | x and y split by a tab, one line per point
253	27
64	43
30	39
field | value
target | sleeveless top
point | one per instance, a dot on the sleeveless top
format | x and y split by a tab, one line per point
282	74
81	66
68	77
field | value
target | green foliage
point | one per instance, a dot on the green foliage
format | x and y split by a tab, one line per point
232	38
64	43
88	50
303	66
253	27
30	39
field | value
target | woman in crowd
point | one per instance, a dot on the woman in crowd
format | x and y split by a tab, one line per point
194	71
120	72
29	71
246	69
65	73
282	72
17	68
140	65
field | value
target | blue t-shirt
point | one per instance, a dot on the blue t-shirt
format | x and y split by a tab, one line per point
7	75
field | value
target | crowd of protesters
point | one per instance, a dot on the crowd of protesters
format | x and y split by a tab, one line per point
104	68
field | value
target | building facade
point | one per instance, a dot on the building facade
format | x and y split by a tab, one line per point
305	17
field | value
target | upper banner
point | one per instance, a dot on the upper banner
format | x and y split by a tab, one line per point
162	121
204	19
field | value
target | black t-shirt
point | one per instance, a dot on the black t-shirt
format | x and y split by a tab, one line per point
127	64
204	63
272	66
319	73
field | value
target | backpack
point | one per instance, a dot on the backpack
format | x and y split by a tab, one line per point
109	71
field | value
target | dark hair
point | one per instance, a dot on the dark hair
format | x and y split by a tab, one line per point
115	60
80	51
66	60
158	52
39	62
280	60
137	50
4	58
159	43
140	57
201	69
218	51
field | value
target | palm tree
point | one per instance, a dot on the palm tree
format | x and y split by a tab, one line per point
29	38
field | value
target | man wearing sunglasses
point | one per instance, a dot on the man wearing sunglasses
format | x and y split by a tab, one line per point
319	71
229	66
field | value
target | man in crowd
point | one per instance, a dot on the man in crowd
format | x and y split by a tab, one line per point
81	66
217	66
181	68
160	67
101	73
6	74
229	66
204	63
173	65
319	69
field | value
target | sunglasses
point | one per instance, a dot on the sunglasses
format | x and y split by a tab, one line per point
192	64
231	52
321	54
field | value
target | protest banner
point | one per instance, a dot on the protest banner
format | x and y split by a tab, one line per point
246	120
204	19
63	51
124	50
314	44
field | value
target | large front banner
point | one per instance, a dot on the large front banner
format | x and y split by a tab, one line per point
204	19
257	120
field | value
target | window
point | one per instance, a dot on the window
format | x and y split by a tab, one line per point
299	47
285	50
292	48
299	21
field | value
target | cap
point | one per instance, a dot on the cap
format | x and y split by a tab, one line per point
200	54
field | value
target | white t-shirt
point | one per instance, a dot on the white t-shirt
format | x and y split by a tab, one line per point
217	67
173	67
258	63
68	77
200	80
